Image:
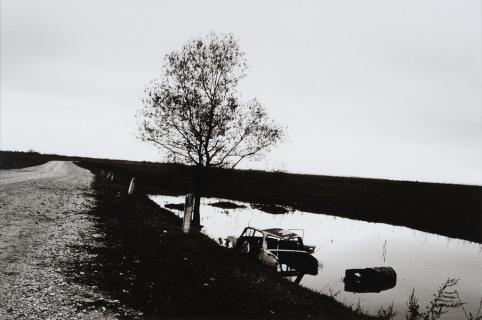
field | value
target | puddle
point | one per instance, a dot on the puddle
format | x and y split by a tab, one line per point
421	260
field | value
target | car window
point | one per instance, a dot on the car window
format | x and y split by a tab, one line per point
248	232
257	234
291	244
272	242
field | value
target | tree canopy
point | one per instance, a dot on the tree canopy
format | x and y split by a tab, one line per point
194	113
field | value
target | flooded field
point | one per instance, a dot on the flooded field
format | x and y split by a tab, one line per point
422	261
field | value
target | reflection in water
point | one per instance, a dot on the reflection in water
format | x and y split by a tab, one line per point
422	260
384	251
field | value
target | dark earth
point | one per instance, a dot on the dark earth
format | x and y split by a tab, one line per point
74	245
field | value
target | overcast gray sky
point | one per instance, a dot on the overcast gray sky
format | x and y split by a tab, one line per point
387	89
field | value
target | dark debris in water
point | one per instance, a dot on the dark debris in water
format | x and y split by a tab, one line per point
226	205
270	208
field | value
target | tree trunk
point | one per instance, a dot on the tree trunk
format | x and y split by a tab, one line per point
197	204
199	182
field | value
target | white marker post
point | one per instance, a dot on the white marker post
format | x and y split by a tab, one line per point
188	209
131	186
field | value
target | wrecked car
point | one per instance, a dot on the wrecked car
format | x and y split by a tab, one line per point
277	248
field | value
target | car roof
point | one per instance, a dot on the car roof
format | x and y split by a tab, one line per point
282	233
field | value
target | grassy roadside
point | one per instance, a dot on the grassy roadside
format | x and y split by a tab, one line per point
147	264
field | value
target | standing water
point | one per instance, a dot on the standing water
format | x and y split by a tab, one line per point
422	261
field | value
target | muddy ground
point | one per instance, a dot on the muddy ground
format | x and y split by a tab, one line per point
43	213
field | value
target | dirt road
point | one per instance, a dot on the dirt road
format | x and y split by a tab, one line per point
43	210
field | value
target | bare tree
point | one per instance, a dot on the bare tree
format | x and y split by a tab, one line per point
193	111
